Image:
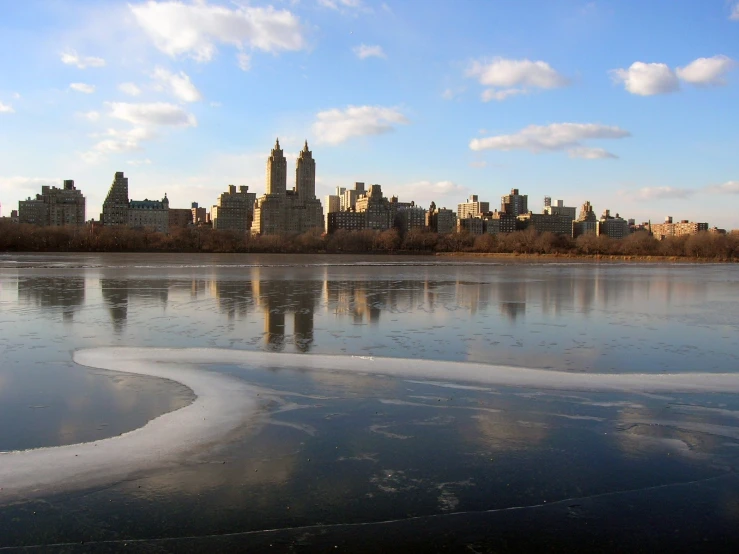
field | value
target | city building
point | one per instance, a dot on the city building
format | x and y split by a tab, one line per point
409	218
54	207
347	220
333	204
115	207
234	210
514	203
614	227
153	214
349	196
119	210
586	222
546	223
441	220
499	222
472	208
12	218
670	229
376	208
559	208
180	217
281	211
471	225
199	215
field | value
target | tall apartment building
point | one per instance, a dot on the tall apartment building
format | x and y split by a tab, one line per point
234	210
586	222
441	220
546	223
119	210
559	208
115	207
376	207
472	208
472	225
54	207
199	215
349	196
180	217
614	227
670	229
409	218
499	222
282	211
514	203
347	220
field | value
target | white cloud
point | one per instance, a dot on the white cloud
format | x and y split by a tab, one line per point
91	116
339	4
82	87
244	61
6	108
494	94
117	142
82	62
511	77
19	183
663	193
364	51
707	71
444	193
336	126
158	113
554	137
178	84
735	12
588	153
194	29
129	88
647	79
729	187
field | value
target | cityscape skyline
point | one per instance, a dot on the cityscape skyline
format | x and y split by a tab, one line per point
551	100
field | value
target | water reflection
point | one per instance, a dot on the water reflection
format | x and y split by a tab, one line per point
52	293
117	293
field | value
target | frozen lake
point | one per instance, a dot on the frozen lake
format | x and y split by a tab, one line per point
596	403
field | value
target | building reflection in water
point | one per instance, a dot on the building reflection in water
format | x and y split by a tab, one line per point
65	293
119	293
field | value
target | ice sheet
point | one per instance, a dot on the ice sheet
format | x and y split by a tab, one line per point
224	404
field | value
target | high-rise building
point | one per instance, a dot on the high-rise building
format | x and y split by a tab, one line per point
115	207
234	211
559	209
199	215
586	222
546	223
282	211
499	222
54	207
376	207
409	218
514	203
119	210
180	217
472	208
614	227
349	196
441	220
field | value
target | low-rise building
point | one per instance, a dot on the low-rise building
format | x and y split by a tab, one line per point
152	214
180	217
613	227
348	220
407	219
546	223
471	225
500	222
670	229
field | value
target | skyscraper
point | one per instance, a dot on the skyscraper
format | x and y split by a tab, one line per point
277	171
115	207
305	175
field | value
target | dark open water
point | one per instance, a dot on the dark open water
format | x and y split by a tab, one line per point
348	462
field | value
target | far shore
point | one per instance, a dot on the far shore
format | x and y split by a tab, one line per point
559	257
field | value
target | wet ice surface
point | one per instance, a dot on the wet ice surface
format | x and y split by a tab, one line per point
433	456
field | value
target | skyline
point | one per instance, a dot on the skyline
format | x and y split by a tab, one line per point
599	101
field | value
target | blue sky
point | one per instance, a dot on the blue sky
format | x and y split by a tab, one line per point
629	104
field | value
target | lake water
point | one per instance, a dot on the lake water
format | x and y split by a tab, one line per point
371	460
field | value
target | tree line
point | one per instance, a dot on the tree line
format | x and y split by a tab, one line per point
16	237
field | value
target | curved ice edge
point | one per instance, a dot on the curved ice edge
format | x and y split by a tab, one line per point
224	404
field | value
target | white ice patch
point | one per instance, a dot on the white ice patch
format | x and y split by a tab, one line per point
224	404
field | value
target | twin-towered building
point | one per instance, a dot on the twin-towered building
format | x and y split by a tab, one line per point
282	211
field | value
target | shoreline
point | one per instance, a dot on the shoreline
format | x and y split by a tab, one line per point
587	257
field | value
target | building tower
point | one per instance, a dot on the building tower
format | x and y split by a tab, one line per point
277	171
305	175
115	207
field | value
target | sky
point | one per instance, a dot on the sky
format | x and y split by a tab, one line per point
631	105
